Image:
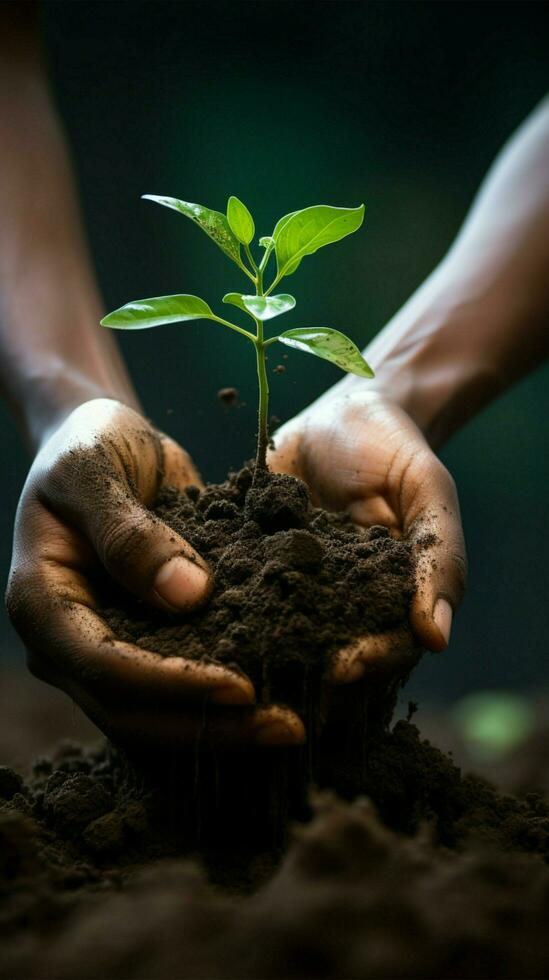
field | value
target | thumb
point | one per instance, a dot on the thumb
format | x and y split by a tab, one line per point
140	551
147	557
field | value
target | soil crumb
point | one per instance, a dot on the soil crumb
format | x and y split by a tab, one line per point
229	397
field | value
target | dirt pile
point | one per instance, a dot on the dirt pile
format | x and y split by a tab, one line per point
189	864
435	875
292	585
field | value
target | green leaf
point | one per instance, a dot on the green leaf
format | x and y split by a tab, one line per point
235	299
213	223
262	307
240	221
331	345
267	241
281	222
144	313
304	232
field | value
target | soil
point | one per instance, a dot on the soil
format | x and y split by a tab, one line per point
229	397
364	854
292	585
432	875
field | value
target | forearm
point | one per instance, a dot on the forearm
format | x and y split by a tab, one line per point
53	354
481	321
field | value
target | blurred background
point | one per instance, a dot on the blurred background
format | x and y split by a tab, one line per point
285	104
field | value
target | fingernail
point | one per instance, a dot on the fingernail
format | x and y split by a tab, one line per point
442	615
276	734
234	694
181	583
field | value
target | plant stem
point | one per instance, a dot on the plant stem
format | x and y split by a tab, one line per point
262	421
233	326
263	409
266	257
251	259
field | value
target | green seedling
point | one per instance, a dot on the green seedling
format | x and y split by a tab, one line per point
296	235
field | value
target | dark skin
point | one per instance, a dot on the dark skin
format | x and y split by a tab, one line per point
368	449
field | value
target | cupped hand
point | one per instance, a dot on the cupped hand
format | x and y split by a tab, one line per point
83	507
361	453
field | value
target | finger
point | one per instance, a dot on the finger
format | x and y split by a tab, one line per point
52	607
223	729
272	728
436	535
391	652
137	549
88	653
178	467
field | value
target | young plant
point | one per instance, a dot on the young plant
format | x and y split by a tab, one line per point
296	235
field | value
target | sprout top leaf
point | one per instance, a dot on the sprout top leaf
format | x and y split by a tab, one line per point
304	232
240	221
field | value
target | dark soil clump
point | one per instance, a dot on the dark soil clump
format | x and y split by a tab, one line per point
292	585
435	875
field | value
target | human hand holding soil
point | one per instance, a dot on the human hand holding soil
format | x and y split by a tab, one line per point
361	453
476	326
473	328
84	509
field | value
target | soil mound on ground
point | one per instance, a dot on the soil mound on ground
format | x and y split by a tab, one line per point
182	864
434	875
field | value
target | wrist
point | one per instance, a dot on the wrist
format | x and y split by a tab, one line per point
55	362
439	376
433	359
55	392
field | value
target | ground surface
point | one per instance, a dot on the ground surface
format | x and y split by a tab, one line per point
97	879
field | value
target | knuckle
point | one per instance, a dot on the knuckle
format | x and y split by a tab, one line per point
90	671
122	540
21	591
73	470
176	466
449	484
439	474
459	563
59	476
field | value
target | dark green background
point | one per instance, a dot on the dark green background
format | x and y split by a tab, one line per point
400	105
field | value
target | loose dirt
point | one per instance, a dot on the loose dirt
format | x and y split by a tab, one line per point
365	853
292	585
103	873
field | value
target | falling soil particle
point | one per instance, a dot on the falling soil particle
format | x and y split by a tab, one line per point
229	397
279	369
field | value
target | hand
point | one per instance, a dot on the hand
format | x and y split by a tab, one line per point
83	506
361	453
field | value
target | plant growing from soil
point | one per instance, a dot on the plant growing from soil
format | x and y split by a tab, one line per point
295	235
320	581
